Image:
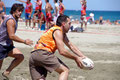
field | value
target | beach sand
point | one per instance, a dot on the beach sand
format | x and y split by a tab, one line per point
101	43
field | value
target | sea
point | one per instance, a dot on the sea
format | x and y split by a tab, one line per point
75	14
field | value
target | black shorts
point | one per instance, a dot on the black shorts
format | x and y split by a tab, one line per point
4	51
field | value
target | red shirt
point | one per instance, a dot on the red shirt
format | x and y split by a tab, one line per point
28	8
61	9
39	7
83	11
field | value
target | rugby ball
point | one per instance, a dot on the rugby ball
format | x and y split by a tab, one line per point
87	63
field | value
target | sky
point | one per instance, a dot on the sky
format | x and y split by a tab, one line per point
104	5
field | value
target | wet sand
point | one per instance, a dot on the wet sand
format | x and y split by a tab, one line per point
101	43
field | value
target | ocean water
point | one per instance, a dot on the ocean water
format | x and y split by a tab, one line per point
111	15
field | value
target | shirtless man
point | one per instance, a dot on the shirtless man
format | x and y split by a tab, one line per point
2	11
48	9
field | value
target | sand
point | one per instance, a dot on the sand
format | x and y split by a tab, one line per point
101	43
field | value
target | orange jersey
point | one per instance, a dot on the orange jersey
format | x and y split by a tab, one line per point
46	41
28	7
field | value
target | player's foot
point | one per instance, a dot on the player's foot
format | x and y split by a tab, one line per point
5	75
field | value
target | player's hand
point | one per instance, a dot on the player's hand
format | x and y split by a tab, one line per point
28	42
79	62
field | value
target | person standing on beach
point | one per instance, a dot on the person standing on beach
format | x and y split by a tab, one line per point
7	36
56	10
2	10
83	15
61	7
49	18
28	11
43	57
37	9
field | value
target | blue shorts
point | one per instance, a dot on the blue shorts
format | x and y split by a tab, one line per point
27	16
4	51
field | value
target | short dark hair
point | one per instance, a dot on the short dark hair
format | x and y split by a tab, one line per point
47	0
61	0
60	19
15	7
56	1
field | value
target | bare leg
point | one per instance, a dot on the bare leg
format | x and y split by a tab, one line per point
29	22
15	53
26	22
1	61
63	71
85	25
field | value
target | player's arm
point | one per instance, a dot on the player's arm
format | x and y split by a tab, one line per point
21	1
4	7
41	20
39	3
31	10
72	47
11	33
60	45
63	7
51	7
56	10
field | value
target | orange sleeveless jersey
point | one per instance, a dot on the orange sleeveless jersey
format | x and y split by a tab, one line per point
46	41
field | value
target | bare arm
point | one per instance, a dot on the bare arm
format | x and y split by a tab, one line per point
4	7
11	33
37	2
63	7
41	20
31	10
72	47
21	1
51	7
56	10
60	45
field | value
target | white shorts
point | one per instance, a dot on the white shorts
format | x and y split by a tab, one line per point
83	19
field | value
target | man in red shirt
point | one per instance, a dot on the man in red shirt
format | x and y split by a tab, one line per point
28	11
83	15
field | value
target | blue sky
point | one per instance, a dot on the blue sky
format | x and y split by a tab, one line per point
109	5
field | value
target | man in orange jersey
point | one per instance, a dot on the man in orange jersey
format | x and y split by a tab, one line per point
83	15
42	58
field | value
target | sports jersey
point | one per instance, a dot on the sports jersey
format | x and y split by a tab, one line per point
28	7
39	7
46	41
83	11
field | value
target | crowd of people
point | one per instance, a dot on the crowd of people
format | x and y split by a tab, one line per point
39	17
